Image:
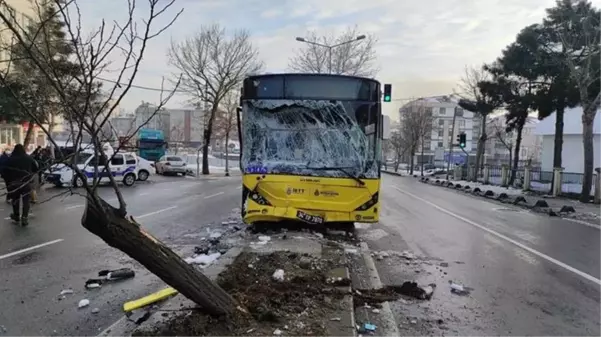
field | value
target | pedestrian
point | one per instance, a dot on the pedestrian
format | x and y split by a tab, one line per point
19	172
3	159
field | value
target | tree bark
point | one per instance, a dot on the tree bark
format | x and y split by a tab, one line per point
558	146
516	155
588	117
411	162
207	141
480	149
103	220
227	161
28	134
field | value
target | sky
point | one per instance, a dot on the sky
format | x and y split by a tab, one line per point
423	46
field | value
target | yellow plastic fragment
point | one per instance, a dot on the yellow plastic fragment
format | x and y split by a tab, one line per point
149	299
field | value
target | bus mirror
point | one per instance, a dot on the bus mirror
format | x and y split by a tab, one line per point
385	127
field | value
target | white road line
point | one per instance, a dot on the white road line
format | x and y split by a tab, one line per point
143	193
582	222
25	250
213	195
501	236
74	206
155	212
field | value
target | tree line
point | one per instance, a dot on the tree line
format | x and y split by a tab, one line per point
551	66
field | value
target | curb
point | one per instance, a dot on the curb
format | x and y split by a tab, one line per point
392	173
540	206
125	327
390	327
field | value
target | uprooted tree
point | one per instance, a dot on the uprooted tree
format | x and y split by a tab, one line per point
92	56
210	64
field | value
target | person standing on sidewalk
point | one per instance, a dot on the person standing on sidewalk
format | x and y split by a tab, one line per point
3	160
19	172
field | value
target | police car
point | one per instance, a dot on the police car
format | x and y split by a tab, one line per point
123	166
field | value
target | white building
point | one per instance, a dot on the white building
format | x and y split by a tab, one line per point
147	116
572	154
186	125
436	147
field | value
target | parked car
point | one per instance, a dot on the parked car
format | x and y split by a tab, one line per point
171	165
145	168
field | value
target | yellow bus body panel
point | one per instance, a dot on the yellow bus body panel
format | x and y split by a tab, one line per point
334	199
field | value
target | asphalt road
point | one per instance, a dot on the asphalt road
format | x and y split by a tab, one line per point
55	252
531	274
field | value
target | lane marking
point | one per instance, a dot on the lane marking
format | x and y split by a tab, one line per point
155	212
213	195
143	193
25	250
74	206
508	239
582	222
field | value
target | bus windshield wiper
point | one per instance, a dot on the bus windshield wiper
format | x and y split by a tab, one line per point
341	169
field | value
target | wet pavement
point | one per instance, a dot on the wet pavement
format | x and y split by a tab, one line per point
531	274
55	252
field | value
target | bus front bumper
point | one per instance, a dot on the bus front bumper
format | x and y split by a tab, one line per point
259	213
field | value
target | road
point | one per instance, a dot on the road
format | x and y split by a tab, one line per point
531	274
55	252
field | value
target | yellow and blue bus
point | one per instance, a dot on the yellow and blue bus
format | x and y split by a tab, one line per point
311	148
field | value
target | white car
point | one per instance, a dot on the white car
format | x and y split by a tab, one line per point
146	168
171	165
123	167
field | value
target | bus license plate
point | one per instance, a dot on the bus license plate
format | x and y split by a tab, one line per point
314	219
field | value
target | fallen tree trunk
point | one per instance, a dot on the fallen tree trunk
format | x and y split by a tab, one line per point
127	235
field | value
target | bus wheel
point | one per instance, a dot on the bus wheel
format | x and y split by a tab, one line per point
129	179
142	175
77	183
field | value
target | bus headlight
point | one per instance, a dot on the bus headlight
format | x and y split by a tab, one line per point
369	203
259	199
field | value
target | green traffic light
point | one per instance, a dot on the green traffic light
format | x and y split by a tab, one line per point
386	98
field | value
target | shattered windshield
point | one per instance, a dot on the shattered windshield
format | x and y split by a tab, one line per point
310	137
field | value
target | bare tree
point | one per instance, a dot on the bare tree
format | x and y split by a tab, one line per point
112	224
579	37
343	54
416	126
498	133
226	122
477	98
399	145
211	65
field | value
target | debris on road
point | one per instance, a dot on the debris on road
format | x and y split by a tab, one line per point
376	311
93	283
459	289
203	260
66	292
277	332
368	327
412	289
278	275
95	310
83	303
110	275
149	299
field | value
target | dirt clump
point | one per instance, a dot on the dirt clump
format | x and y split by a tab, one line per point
301	304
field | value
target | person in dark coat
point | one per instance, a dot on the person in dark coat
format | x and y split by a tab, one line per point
3	159
19	172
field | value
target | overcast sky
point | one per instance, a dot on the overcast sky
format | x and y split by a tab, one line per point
423	45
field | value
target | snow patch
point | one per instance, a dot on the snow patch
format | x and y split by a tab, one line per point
203	260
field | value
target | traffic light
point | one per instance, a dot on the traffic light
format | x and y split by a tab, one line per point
461	139
387	92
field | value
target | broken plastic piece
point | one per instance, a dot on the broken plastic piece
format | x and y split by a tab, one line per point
278	275
93	283
66	292
369	327
459	289
83	303
149	299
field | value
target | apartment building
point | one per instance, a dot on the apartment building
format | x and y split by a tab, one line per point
436	147
186	126
24	13
147	116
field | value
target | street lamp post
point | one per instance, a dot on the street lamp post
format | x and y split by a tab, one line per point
330	47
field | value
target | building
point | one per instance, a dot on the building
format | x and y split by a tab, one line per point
24	14
436	147
186	126
572	154
499	142
150	116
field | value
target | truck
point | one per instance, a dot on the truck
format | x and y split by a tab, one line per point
151	144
